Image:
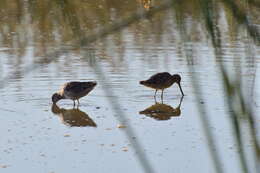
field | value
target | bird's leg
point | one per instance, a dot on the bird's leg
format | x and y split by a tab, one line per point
73	103
155	95
78	102
155	100
162	95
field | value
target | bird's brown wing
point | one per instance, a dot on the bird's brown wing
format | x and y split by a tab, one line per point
79	87
159	78
75	87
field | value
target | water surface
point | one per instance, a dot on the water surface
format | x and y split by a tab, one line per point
39	52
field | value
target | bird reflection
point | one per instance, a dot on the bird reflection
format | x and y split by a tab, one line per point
160	111
73	117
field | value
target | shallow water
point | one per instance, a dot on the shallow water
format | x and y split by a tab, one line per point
37	137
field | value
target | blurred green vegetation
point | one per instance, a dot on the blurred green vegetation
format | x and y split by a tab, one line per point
50	23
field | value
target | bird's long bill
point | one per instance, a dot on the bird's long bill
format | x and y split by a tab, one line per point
181	89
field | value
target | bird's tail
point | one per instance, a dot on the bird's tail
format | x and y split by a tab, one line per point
142	82
90	84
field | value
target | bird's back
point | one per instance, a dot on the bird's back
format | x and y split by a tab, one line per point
75	90
159	81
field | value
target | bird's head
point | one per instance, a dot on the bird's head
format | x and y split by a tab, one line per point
56	97
177	78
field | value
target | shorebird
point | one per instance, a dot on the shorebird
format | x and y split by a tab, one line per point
161	81
73	91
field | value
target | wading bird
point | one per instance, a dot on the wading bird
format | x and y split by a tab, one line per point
161	81
73	91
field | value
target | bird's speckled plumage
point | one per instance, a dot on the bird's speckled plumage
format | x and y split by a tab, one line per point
159	81
73	90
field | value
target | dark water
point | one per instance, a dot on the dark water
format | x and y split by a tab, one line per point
39	51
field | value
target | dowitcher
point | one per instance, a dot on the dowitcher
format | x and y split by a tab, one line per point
73	91
161	81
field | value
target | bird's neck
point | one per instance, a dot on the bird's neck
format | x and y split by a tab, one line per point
61	94
173	79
